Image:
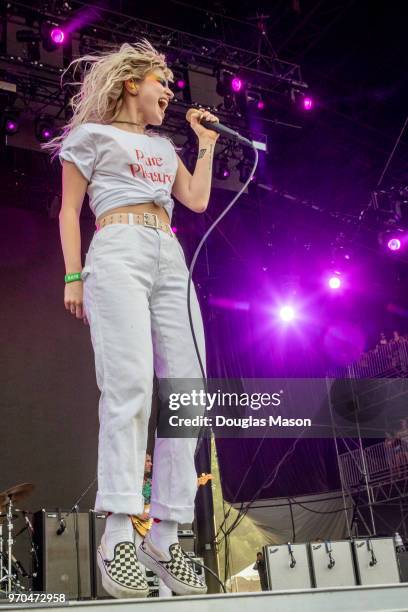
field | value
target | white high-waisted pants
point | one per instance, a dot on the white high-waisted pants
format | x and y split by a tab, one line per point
135	299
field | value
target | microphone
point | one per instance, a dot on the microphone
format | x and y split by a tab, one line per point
221	129
329	551
27	520
62	523
61	528
292	558
371	550
19	566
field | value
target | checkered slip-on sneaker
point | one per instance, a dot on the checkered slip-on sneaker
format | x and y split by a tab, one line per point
122	576
174	568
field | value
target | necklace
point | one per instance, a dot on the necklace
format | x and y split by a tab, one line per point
130	122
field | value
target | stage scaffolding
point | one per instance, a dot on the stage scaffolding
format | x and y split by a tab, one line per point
36	82
375	475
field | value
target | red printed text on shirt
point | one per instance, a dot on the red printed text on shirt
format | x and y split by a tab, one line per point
145	167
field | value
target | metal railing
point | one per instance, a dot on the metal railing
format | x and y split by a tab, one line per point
383	461
386	360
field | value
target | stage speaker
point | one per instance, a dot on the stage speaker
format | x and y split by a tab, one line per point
153	582
185	527
332	564
376	561
63	566
403	565
97	527
187	540
287	567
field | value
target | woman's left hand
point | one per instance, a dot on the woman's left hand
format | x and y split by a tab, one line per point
199	129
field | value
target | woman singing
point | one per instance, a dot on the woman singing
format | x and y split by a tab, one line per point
133	292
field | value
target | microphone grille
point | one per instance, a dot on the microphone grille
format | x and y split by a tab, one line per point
191	111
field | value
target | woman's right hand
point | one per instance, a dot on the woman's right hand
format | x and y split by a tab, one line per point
73	300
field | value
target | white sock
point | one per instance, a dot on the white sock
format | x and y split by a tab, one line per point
118	528
164	534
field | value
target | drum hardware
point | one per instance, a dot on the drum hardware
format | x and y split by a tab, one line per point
9	565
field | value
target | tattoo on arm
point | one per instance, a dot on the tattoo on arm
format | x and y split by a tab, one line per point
211	153
201	153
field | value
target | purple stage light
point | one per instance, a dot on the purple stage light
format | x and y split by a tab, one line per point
394	244
334	282
287	313
57	36
174	228
11	126
260	105
225	173
228	304
307	104
236	84
44	128
46	133
181	83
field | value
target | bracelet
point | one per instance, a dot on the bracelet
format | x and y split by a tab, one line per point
74	276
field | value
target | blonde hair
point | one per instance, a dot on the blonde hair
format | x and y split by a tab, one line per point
100	97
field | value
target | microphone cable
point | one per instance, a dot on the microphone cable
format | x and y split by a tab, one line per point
203	429
190	274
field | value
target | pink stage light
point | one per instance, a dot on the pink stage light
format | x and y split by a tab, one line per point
46	133
236	84
228	304
334	282
11	126
57	36
307	104
260	105
287	313
181	83
394	244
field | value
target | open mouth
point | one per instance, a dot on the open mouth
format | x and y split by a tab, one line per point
163	104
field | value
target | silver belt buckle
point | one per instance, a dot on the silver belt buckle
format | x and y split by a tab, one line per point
147	220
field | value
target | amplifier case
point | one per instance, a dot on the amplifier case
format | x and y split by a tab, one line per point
96	528
57	554
384	570
280	575
403	565
342	573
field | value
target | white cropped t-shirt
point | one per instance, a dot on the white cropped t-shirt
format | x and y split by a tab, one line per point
122	167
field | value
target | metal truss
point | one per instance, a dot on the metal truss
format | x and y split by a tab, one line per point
390	493
370	476
107	26
39	92
392	489
314	25
38	84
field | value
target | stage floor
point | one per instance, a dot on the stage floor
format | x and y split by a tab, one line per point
384	598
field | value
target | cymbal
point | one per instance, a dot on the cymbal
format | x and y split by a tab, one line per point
16	493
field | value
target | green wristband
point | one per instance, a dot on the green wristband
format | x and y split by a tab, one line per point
74	276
